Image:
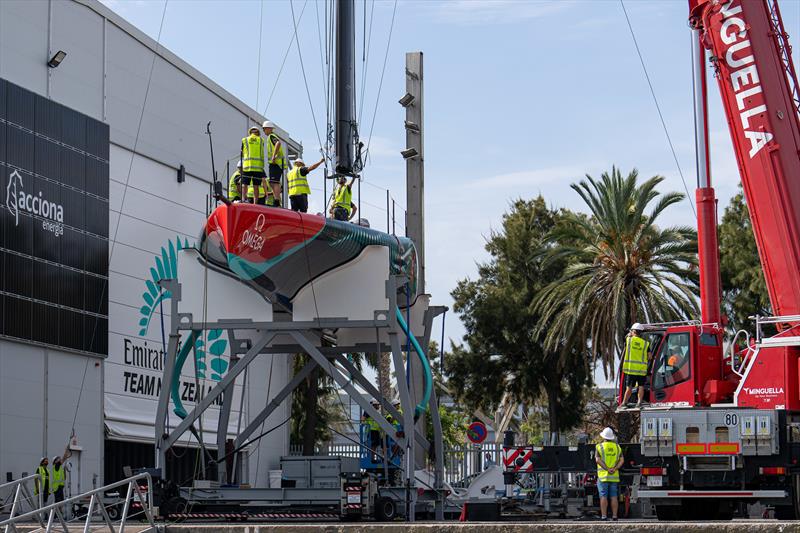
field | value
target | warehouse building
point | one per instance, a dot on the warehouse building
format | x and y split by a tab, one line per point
105	174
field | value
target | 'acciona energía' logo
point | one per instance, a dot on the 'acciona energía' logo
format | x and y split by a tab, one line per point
18	200
166	267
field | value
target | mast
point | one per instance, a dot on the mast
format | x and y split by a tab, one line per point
345	87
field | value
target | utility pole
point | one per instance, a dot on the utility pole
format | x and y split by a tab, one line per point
345	130
414	154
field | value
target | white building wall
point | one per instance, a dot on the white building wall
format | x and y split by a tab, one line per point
105	76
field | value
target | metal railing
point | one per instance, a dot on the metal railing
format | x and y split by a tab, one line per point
461	462
56	516
21	496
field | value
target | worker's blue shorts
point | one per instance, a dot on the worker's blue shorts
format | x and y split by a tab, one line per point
608	489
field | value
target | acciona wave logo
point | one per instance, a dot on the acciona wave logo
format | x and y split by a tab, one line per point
18	200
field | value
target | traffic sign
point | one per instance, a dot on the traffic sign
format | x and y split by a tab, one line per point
477	432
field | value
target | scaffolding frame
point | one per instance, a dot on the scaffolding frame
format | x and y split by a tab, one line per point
306	337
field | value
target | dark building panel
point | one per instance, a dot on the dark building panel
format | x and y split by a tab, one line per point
45	326
47	119
17	318
53	223
96	291
71	288
20	105
19	147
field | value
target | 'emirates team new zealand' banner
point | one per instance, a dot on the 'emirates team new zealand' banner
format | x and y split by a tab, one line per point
54	181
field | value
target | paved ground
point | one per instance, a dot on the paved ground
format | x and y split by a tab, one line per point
627	526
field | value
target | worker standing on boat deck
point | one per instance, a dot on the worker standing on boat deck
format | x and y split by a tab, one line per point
298	184
634	364
235	184
608	456
343	207
252	156
276	158
264	195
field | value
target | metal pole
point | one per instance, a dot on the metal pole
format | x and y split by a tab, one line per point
325	193
345	119
415	201
388	214
393	226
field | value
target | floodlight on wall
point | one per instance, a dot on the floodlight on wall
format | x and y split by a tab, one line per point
57	59
406	100
412	126
181	174
409	153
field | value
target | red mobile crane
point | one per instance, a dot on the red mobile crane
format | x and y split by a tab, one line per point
724	428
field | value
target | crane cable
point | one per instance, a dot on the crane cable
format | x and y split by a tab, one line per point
658	107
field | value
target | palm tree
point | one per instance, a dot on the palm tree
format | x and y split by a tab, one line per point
623	268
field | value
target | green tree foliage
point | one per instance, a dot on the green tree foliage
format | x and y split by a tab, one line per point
502	352
623	268
744	292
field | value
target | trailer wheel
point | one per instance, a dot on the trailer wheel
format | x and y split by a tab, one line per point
385	509
668	513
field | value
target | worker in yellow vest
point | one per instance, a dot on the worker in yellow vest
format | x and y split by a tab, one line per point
298	184
276	157
235	184
264	195
608	456
343	207
634	364
42	483
58	477
253	153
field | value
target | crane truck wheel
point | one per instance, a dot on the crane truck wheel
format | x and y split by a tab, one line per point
385	509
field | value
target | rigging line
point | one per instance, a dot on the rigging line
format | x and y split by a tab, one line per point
321	56
260	46
366	61
383	71
283	62
658	107
303	70
122	203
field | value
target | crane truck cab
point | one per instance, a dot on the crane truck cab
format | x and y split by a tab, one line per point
686	366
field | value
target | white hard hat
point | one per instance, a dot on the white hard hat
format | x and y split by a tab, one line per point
298	162
637	327
239	164
268	124
56	458
608	434
253	128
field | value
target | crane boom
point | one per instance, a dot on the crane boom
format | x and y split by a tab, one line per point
759	92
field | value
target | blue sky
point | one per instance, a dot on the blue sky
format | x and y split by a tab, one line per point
521	98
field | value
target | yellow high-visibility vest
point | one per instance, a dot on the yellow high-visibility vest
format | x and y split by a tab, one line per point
233	191
272	140
253	154
635	358
609	452
298	184
59	476
344	198
43	481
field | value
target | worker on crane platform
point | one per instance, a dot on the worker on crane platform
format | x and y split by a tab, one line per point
343	207
298	184
608	456
634	364
276	159
252	156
